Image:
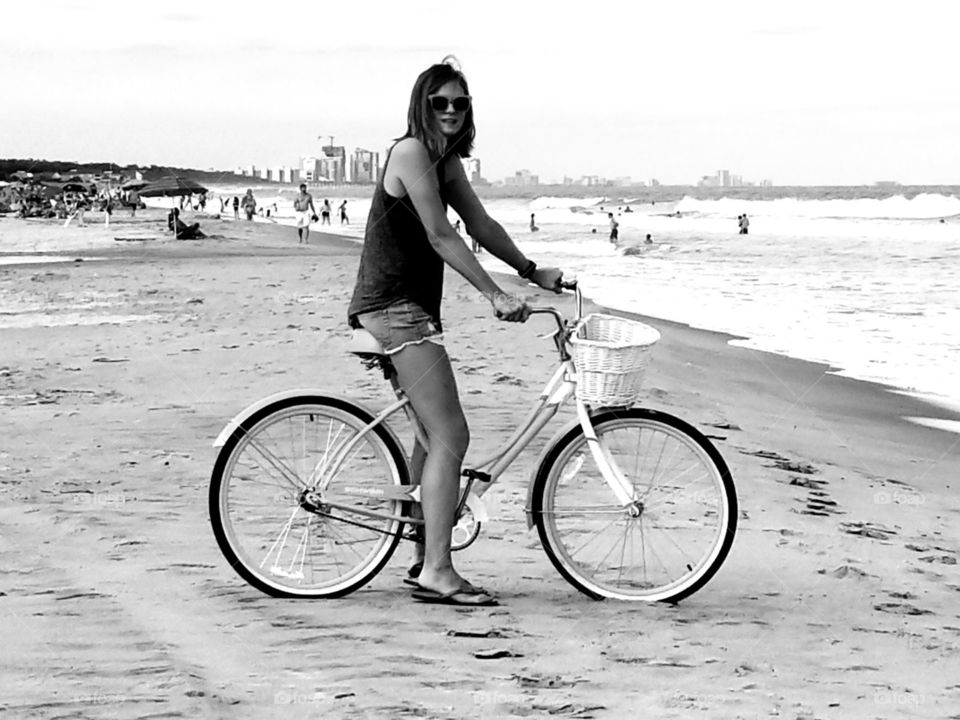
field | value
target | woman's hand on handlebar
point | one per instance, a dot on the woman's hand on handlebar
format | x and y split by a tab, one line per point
548	278
511	308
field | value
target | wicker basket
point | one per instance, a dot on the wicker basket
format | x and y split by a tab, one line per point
611	356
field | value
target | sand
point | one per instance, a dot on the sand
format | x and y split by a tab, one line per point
839	599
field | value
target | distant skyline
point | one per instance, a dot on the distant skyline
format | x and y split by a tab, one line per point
812	93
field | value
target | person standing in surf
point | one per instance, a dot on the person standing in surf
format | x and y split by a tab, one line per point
614	229
407	243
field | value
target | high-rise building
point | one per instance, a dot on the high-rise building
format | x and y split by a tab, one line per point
286	175
724	177
309	169
333	164
471	166
522	178
364	166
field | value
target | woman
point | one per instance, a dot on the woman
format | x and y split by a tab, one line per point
249	204
397	299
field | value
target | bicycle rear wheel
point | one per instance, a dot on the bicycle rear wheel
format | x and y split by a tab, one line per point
268	492
663	547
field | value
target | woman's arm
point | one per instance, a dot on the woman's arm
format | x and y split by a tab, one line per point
480	226
411	164
488	232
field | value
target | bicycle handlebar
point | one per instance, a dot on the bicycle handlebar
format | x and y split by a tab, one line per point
562	328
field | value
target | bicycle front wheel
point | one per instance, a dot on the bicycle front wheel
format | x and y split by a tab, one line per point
286	523
662	547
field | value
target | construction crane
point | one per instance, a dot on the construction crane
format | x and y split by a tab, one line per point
321	137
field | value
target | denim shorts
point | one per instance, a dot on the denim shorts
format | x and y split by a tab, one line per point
400	324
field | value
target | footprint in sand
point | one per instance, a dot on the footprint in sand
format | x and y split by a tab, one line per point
846	571
901	609
868	530
818	503
543	681
783	463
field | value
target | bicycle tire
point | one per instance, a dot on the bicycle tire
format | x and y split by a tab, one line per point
276	501
689	482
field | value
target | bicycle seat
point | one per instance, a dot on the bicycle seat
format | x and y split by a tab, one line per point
365	345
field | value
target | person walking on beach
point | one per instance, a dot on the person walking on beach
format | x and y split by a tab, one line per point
325	212
614	228
744	224
249	205
133	198
407	242
344	220
76	205
306	213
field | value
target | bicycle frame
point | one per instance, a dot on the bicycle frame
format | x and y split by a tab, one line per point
560	388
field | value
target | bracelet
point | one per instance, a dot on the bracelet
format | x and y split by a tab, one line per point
529	270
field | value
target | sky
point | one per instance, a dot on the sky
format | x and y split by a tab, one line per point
838	92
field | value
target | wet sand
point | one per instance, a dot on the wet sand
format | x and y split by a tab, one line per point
839	598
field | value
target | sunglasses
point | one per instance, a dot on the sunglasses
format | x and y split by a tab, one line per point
441	103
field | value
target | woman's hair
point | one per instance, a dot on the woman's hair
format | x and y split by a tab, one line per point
421	120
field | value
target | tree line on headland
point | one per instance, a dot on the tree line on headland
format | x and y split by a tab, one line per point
9	166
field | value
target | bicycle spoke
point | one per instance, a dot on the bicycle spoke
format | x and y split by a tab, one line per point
670	541
321	465
285	472
283	547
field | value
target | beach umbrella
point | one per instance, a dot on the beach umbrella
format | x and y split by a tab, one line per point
172	187
74	186
134	184
21	174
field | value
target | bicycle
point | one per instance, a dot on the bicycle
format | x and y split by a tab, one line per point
311	493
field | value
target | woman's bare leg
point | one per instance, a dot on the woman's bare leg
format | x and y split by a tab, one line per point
425	374
417	459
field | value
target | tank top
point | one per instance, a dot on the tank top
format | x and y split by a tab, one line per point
397	262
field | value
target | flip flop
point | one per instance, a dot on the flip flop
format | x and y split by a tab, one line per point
413	575
464	597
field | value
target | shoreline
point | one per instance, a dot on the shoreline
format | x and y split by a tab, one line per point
272	237
121	604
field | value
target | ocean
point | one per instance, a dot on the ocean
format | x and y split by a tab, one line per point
864	279
866	283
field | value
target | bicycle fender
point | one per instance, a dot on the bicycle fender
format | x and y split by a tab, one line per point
595	414
232	426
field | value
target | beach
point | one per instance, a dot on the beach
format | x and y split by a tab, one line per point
839	598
